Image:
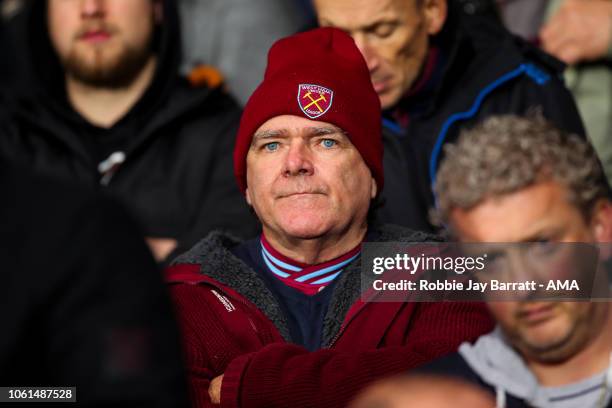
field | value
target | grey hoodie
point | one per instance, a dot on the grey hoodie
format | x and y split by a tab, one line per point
499	365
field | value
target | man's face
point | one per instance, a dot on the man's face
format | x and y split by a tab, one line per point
103	42
541	331
306	179
392	35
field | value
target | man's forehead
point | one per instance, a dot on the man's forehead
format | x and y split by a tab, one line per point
516	216
285	126
349	13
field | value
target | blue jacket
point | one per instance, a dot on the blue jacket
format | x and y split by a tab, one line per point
483	70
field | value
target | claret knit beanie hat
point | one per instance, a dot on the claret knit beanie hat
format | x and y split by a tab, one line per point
321	75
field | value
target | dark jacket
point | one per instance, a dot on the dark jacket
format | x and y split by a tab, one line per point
481	70
83	303
233	325
177	177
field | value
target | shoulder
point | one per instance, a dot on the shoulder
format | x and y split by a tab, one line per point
198	90
487	54
211	249
398	233
488	37
206	118
211	261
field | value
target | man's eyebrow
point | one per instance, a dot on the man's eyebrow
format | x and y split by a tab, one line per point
326	130
267	134
311	131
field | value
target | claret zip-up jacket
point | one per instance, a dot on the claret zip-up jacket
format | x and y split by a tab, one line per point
232	324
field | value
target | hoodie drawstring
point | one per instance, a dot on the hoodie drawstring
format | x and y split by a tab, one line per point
500	397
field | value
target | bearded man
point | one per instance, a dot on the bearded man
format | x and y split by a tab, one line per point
106	107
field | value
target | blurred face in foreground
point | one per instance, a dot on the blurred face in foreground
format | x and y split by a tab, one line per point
103	42
543	213
306	180
423	392
392	35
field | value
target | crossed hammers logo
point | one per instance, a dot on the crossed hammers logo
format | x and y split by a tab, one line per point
314	101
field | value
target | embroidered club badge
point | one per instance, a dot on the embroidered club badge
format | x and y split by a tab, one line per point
314	100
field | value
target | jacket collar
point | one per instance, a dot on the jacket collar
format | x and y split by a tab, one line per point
217	262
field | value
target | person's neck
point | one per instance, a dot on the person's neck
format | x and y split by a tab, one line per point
593	359
317	250
104	107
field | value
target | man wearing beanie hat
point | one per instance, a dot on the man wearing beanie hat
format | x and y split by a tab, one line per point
278	321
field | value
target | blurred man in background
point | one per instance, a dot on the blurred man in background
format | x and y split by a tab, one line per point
423	391
522	180
435	74
104	106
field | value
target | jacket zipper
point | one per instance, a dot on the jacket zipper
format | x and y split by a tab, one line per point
343	328
107	168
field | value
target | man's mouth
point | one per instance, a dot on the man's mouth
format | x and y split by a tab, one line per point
380	84
95	36
299	194
534	314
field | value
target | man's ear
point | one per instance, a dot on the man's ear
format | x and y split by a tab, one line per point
601	221
436	12
247	195
374	189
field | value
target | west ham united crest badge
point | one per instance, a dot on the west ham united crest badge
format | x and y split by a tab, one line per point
314	100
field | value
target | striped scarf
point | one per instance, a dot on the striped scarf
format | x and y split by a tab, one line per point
308	279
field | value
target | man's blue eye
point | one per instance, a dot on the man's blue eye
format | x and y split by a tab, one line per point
328	143
271	146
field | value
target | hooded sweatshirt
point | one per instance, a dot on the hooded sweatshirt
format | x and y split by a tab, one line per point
168	159
494	364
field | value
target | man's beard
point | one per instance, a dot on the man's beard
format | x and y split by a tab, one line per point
107	71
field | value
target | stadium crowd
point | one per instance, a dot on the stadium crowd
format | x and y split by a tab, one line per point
192	188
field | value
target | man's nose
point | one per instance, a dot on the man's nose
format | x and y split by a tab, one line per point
298	161
92	8
367	51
